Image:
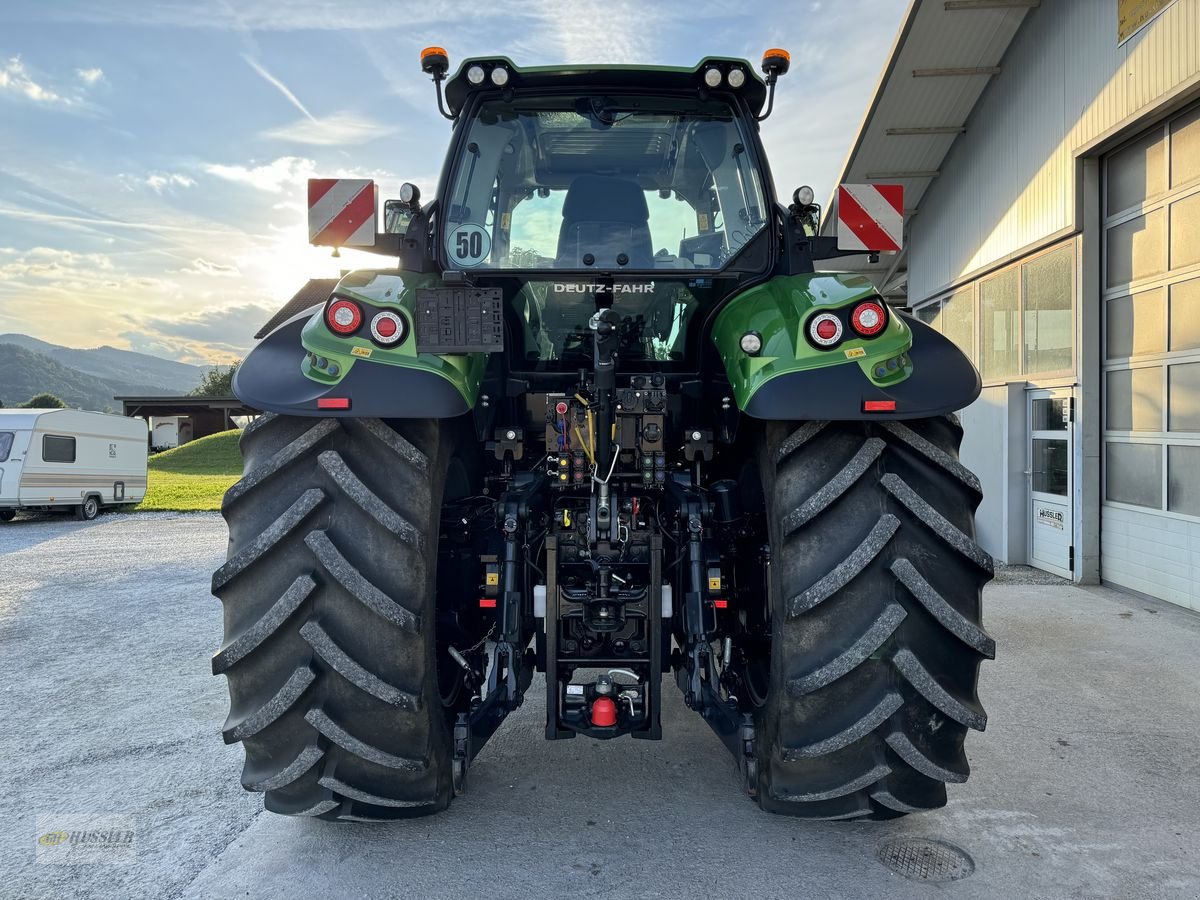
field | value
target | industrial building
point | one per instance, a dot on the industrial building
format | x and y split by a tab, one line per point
1050	154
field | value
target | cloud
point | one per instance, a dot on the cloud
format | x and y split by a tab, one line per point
262	15
50	264
278	85
339	129
15	78
159	182
202	266
162	227
77	299
221	335
284	172
625	31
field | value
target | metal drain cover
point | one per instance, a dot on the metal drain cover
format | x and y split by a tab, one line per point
926	859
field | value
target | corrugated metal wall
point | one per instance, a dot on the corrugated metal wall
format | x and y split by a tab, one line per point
1010	180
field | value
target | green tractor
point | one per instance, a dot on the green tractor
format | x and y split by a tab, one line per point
604	421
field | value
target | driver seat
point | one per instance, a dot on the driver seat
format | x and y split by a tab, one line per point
604	217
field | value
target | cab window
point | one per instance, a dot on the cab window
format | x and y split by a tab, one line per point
607	183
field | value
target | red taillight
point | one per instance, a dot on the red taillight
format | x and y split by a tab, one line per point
487	602
868	319
879	406
343	316
387	328
333	403
825	329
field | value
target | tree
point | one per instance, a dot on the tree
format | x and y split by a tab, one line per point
217	382
43	401
523	258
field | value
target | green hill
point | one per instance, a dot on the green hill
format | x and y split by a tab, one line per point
24	373
119	367
196	475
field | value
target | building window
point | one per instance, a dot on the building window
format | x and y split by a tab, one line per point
999	305
1134	474
953	316
58	449
1183	480
1136	325
958	320
1049	325
1017	323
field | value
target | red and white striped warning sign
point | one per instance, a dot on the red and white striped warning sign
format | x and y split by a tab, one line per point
870	217
341	212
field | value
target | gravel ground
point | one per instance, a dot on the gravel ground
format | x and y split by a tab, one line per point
1085	783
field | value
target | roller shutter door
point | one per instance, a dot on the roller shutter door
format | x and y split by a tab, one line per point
1150	520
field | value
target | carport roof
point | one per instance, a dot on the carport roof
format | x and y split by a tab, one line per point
943	58
183	406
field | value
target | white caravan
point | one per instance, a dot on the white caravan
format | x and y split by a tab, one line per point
70	458
168	432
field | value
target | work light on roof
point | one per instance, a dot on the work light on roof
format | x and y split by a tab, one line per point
475	75
712	76
499	76
737	77
410	194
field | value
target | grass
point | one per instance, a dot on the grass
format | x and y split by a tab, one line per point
194	476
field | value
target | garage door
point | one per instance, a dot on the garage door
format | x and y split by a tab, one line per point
1150	523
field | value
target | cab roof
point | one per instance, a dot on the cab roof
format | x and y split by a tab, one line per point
585	78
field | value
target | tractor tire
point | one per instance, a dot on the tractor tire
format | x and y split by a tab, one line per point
328	596
874	589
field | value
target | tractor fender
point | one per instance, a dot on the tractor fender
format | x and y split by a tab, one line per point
271	379
943	380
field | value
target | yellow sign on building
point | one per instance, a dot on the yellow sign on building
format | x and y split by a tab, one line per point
1133	14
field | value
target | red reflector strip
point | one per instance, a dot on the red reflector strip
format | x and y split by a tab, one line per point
721	604
879	406
333	403
487	602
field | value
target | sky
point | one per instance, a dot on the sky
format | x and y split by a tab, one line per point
154	153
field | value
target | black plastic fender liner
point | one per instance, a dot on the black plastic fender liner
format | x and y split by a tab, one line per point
943	381
270	380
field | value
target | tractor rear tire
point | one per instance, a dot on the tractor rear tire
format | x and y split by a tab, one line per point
328	596
875	585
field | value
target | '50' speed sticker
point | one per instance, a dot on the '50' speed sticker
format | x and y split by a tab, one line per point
468	245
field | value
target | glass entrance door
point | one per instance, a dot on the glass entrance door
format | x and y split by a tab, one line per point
1051	531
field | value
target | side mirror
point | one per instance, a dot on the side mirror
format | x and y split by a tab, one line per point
396	217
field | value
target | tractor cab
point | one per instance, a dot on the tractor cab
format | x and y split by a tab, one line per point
574	190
